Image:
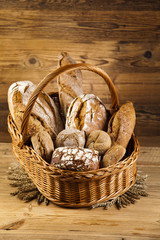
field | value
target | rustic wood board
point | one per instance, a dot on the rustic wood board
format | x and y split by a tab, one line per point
19	220
121	37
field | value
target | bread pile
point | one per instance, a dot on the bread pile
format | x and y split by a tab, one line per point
88	140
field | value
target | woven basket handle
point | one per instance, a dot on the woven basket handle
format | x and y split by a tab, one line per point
54	74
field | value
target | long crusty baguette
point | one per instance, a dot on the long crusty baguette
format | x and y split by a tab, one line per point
122	124
69	84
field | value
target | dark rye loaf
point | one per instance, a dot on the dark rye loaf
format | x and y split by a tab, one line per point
75	159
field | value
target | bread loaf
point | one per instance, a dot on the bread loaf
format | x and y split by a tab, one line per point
69	84
44	109
40	138
43	144
44	123
122	124
70	137
87	113
75	159
99	140
113	155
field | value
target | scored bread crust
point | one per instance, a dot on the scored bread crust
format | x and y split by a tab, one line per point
70	137
99	140
69	84
44	108
87	113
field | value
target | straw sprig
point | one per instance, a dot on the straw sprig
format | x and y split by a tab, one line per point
130	197
26	189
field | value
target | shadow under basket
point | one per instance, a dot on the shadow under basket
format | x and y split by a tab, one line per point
70	188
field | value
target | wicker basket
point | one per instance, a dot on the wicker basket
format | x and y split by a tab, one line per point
69	188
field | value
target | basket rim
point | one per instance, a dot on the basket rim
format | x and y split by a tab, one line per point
101	172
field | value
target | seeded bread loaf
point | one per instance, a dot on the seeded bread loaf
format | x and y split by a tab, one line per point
87	113
75	159
69	84
122	124
70	137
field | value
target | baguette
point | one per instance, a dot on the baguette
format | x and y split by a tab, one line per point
122	124
69	84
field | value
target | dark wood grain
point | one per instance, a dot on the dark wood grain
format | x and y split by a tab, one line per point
87	26
100	5
121	37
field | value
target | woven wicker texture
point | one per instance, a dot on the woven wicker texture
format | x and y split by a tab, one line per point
69	188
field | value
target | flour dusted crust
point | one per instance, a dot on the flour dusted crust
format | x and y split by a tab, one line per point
70	137
44	109
99	140
113	155
87	113
69	84
75	159
123	124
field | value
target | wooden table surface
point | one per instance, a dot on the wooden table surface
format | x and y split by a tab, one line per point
19	220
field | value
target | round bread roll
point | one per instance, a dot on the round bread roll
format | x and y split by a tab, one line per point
70	137
75	159
86	113
99	140
113	155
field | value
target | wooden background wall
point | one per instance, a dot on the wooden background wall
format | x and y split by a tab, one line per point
122	37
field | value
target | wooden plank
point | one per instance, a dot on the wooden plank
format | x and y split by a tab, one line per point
149	156
85	5
96	25
149	141
74	236
30	221
114	56
134	87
